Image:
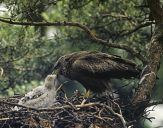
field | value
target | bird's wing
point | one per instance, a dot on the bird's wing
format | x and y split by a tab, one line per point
35	93
103	65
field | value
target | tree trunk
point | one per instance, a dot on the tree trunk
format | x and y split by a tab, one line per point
149	74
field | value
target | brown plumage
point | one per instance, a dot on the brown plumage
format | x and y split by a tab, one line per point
95	69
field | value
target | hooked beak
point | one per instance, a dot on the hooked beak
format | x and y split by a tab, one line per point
55	71
55	67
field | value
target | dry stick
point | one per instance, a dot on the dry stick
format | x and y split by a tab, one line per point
50	109
137	28
102	118
59	87
118	115
118	108
86	29
4	119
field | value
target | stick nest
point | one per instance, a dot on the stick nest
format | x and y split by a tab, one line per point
96	112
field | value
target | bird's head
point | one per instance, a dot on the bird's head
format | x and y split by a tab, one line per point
61	64
50	81
58	65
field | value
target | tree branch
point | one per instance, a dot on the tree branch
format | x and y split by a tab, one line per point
137	28
86	29
120	116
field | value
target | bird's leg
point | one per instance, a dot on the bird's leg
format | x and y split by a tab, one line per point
87	94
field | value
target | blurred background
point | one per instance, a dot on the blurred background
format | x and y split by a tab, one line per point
28	53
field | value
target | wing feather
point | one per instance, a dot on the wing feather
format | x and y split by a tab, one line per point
103	65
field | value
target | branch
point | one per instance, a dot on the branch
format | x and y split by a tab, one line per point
49	109
137	28
118	115
7	119
120	16
86	29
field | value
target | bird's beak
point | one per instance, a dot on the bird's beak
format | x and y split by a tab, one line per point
56	65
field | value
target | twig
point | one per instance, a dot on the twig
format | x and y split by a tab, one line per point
137	28
118	115
11	118
59	87
87	105
120	112
71	105
50	109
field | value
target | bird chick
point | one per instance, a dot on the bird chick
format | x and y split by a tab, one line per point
41	96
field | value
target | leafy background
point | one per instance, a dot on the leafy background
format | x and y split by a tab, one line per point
27	53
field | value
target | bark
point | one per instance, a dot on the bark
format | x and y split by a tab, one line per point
149	74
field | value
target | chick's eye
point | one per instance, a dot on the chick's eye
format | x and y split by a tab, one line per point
27	98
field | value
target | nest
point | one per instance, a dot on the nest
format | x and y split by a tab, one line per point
73	112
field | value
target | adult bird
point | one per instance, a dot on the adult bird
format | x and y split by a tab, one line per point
95	69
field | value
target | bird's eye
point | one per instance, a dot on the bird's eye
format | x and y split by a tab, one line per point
27	98
67	59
